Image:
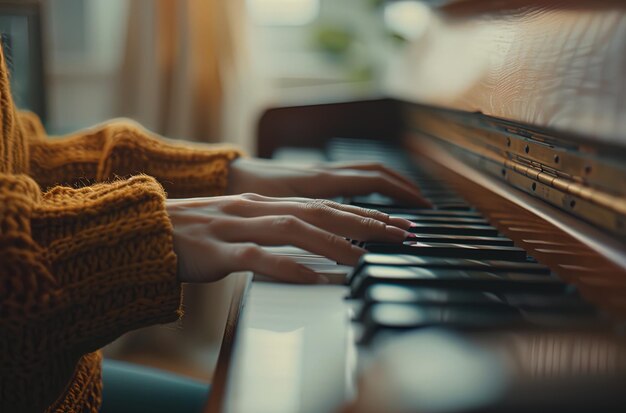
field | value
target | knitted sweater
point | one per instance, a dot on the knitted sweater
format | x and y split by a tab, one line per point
85	249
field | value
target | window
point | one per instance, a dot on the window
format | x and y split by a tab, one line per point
283	12
407	19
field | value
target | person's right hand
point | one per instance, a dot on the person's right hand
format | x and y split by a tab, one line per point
327	180
216	236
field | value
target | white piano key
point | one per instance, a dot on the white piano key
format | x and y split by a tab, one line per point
294	353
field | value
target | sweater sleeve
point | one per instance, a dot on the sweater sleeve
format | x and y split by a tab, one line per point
79	268
122	148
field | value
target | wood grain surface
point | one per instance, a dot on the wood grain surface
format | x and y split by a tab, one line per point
557	64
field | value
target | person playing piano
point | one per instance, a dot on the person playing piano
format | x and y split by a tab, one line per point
99	229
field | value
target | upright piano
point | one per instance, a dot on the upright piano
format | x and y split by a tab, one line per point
511	116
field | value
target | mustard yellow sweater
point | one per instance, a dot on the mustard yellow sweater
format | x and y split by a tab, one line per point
85	249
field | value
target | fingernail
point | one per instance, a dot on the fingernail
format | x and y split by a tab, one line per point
413	225
396	232
411	235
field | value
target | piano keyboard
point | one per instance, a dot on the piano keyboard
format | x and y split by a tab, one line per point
458	274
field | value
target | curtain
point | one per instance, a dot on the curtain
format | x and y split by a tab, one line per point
181	59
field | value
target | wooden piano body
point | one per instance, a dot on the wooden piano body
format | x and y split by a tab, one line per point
521	107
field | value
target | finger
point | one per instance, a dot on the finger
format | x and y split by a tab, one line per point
363	212
251	257
400	222
369	166
282	199
331	220
362	183
367	213
288	230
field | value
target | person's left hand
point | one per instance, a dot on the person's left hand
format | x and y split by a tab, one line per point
269	178
218	235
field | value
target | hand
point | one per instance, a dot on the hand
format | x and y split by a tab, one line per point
266	177
216	236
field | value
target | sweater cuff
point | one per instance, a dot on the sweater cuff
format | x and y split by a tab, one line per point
110	246
185	170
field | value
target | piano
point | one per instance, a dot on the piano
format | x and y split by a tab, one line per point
511	116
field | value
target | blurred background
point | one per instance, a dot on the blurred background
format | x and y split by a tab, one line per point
200	70
204	70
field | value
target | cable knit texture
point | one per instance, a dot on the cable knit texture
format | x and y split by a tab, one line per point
83	263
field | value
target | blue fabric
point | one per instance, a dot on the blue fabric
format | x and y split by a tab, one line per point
130	388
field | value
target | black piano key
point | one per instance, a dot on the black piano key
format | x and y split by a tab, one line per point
442	197
434	187
394	318
462	239
429	219
430	212
403	260
453	279
552	318
391	206
439	193
399	294
562	303
429	183
445	200
437	190
452	239
454	229
374	200
390	293
453	206
431	249
377	201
